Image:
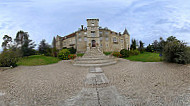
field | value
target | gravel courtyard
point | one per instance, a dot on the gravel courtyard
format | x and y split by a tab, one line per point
40	85
150	83
142	83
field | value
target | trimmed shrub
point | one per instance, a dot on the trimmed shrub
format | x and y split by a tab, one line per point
124	53
116	54
64	54
8	58
72	56
134	52
72	50
107	53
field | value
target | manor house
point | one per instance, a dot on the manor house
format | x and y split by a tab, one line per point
94	36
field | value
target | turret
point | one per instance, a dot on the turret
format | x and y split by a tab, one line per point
127	39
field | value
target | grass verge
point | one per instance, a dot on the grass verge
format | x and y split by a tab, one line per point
146	57
35	60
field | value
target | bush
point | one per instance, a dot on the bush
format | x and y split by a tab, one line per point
116	54
72	50
72	56
107	53
176	51
8	58
124	53
64	54
134	52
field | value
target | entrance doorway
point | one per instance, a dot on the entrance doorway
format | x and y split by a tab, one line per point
93	43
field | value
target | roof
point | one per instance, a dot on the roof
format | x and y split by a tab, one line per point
70	35
125	32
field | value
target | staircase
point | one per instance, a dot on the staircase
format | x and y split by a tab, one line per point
94	57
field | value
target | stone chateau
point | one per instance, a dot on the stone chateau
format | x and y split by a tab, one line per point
94	36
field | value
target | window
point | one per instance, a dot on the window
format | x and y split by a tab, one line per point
121	40
101	32
106	33
92	24
100	38
107	45
107	38
80	39
93	33
85	38
79	34
114	39
101	45
85	33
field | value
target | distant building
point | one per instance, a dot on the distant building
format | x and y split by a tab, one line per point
94	36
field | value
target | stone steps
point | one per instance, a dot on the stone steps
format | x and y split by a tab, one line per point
94	61
99	64
94	57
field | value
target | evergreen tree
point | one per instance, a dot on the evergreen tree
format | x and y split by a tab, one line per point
27	48
134	44
54	50
141	47
44	48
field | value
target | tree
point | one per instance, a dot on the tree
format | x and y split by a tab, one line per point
44	48
7	40
155	46
176	51
54	50
161	45
27	48
134	44
141	47
149	48
23	43
21	37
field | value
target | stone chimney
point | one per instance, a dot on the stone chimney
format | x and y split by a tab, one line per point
82	27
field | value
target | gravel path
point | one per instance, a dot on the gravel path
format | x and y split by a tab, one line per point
41	85
151	84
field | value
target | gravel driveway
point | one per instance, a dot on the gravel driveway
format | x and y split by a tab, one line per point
40	85
142	83
151	83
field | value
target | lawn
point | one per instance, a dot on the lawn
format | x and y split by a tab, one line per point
35	60
80	54
145	57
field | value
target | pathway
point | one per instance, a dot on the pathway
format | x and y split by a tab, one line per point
97	92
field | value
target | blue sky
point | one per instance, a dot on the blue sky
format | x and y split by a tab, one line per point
145	20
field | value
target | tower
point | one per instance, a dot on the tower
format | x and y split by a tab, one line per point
93	39
127	39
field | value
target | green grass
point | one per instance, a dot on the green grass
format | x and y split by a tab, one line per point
145	57
80	54
107	53
35	60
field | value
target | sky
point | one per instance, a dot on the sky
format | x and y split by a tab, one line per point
145	20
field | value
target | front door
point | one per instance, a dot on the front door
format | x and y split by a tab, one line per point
93	43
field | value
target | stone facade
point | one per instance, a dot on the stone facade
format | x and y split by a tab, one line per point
94	36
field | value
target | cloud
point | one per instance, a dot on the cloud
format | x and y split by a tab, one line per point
145	20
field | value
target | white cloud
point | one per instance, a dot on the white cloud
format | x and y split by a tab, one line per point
145	20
